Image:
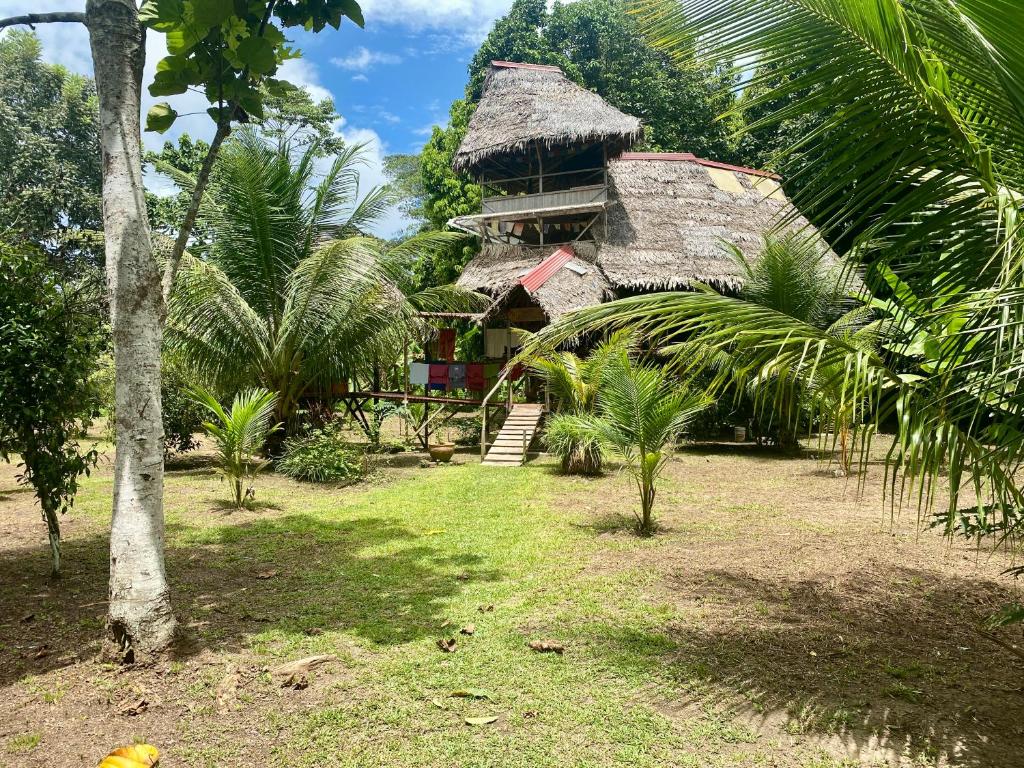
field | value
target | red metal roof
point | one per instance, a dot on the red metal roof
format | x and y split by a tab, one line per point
689	157
521	65
540	274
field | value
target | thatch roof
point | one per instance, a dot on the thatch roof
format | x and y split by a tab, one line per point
499	267
532	103
670	215
668	220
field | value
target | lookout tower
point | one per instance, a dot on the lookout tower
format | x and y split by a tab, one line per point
539	145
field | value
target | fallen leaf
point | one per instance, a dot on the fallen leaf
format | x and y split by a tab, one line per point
447	645
486	608
269	574
437	703
301	666
314	631
27	618
470	693
546	646
136	755
463	577
487	720
133	708
469	629
41	652
530	714
434	532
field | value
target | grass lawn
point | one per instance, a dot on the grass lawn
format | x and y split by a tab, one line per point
776	620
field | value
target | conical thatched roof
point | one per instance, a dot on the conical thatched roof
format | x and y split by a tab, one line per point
525	103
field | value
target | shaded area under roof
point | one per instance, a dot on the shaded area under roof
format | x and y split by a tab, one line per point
524	104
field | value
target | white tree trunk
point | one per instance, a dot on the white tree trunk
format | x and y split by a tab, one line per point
139	617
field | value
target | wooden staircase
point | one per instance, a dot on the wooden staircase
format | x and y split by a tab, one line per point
513	441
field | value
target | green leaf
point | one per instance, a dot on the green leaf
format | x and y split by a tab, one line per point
258	54
161	14
211	13
181	39
351	9
160	117
168	83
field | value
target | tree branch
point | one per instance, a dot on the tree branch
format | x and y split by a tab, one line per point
223	129
31	19
171	269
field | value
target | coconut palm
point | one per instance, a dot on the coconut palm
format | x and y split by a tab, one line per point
574	382
793	275
238	435
640	412
924	136
291	295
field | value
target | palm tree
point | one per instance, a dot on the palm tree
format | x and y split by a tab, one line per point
292	296
238	435
640	412
575	382
924	136
793	276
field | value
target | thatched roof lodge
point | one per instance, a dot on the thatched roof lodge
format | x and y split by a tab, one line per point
558	179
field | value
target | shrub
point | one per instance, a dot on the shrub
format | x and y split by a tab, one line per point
182	415
579	452
322	456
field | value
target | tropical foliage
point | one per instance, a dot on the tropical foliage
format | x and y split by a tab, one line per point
291	296
574	383
50	176
238	435
51	340
322	456
928	99
640	412
795	276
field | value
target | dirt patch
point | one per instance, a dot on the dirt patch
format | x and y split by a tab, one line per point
818	618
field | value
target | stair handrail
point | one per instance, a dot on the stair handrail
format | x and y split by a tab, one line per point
483	404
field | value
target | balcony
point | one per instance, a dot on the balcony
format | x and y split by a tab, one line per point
575	198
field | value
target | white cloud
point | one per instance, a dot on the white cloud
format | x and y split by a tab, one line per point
467	20
360	79
389	117
362	59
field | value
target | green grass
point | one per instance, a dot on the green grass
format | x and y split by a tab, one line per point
25	742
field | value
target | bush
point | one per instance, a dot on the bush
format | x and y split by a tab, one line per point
182	416
322	456
579	452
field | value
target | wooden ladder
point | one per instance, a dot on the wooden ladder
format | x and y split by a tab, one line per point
513	441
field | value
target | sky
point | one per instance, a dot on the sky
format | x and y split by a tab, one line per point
391	82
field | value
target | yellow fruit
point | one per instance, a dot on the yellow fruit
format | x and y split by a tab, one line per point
135	756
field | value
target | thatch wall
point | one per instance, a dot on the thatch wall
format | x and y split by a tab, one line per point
525	104
668	219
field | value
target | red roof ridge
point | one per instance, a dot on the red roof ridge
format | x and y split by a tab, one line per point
523	65
543	272
692	158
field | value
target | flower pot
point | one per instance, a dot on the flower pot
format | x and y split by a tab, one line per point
739	434
442	453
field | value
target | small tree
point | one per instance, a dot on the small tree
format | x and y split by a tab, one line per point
640	413
239	434
575	383
50	337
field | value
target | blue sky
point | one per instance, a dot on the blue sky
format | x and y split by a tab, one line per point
391	82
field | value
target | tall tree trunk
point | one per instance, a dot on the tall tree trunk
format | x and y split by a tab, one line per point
53	529
139	615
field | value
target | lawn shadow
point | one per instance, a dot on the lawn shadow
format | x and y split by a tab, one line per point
867	666
294	575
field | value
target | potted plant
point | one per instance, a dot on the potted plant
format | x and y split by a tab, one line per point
442	452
